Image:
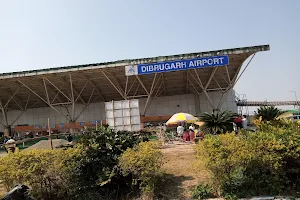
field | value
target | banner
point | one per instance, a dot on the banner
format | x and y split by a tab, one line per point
177	65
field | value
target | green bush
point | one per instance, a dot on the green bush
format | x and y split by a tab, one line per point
217	122
97	170
262	163
144	162
202	191
42	170
88	171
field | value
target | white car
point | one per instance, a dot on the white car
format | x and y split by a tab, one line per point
294	117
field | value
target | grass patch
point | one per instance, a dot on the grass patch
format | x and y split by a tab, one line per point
153	137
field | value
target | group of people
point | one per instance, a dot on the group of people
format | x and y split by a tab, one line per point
9	144
240	122
187	134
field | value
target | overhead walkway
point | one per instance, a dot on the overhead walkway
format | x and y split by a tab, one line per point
267	103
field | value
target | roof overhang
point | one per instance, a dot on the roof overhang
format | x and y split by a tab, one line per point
107	81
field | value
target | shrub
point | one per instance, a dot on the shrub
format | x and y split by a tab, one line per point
202	191
219	122
39	169
90	170
144	162
268	113
97	170
262	163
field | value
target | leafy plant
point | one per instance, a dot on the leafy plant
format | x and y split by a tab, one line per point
97	169
39	169
219	122
202	191
262	163
144	162
90	170
268	113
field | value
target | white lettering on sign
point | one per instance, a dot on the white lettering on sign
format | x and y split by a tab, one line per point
177	65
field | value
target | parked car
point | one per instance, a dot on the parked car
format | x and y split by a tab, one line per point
294	117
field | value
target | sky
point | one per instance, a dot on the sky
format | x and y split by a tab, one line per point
37	34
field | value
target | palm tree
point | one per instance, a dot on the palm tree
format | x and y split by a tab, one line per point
268	113
217	122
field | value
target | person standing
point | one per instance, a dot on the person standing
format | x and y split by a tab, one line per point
11	145
180	130
191	132
238	122
245	122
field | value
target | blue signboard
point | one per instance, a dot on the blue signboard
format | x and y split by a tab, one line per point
177	65
81	123
36	126
61	125
52	125
44	126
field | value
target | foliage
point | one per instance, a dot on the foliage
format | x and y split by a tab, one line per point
97	169
40	169
202	191
144	162
2	139
268	113
217	123
90	170
262	163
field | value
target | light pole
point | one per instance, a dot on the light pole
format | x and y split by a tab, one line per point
295	98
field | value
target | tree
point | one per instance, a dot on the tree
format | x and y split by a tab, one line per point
219	122
268	113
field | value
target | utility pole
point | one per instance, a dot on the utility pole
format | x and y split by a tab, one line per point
50	138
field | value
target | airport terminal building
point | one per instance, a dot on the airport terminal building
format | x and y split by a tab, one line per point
126	94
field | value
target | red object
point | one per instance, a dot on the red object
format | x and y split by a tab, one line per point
238	120
192	136
186	136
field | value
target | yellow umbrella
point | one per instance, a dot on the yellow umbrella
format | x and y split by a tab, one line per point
182	117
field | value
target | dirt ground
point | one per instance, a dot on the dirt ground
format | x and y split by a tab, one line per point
181	171
2	154
2	190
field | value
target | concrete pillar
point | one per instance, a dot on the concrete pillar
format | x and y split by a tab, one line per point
7	131
197	104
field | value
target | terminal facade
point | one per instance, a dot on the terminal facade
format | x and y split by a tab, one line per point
74	97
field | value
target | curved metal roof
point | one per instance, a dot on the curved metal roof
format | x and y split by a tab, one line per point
107	81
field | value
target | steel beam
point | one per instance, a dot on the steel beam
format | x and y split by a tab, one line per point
46	91
142	84
233	81
12	96
217	82
150	94
42	99
79	95
130	87
57	94
58	89
72	98
210	78
4	112
204	89
113	84
126	85
94	85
